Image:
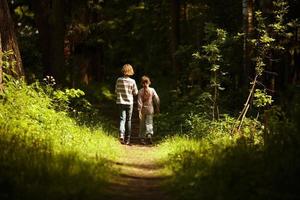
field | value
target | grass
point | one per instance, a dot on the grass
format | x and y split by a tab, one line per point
45	154
220	166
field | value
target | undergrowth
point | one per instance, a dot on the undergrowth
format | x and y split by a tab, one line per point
210	162
44	153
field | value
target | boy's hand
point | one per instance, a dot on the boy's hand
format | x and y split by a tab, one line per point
140	115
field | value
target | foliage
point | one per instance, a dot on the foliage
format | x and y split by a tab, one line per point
224	166
212	53
76	105
201	128
63	98
268	43
261	98
174	119
44	153
8	65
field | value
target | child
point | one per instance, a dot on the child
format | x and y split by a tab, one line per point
147	98
125	89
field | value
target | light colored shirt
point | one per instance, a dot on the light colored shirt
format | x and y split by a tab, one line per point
125	89
146	107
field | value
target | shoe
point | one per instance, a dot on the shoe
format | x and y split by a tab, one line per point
128	142
149	137
122	141
143	141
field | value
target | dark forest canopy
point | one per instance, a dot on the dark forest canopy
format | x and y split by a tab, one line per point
84	43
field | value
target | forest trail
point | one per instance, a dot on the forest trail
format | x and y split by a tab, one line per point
139	177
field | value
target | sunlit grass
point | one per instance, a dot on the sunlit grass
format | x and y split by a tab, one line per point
200	168
179	144
225	166
44	154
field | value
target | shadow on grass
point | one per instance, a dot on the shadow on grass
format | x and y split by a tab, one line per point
35	172
141	166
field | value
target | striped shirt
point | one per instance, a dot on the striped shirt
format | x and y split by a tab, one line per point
125	89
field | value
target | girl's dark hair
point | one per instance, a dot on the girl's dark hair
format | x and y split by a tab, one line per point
145	79
146	94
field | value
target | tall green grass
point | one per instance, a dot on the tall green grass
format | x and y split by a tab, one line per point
223	166
45	154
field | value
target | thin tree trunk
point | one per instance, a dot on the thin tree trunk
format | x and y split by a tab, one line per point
215	98
9	39
175	34
1	71
243	113
57	42
248	9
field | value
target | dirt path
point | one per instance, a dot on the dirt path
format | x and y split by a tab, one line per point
140	176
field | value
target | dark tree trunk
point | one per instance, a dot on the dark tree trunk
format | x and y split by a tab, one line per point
57	42
88	62
8	39
97	64
97	53
248	11
42	16
1	71
175	35
50	22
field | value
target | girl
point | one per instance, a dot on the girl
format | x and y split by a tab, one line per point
147	99
125	89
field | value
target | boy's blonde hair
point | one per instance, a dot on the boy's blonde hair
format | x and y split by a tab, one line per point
127	70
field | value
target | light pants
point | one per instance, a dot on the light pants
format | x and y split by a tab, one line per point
146	125
125	120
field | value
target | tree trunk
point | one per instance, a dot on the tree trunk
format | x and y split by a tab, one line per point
9	40
1	71
42	15
248	9
50	22
175	35
57	42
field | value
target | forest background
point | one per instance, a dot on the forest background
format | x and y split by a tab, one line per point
223	69
83	44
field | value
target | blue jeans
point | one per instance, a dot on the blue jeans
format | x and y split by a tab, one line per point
125	120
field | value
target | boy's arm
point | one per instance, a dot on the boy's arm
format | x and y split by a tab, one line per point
116	86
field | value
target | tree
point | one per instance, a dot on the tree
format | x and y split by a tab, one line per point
211	52
269	45
8	40
248	9
175	36
1	71
49	18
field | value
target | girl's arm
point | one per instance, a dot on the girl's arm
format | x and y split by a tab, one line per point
156	100
140	103
135	90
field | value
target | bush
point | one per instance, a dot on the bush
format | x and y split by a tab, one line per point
44	153
256	164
